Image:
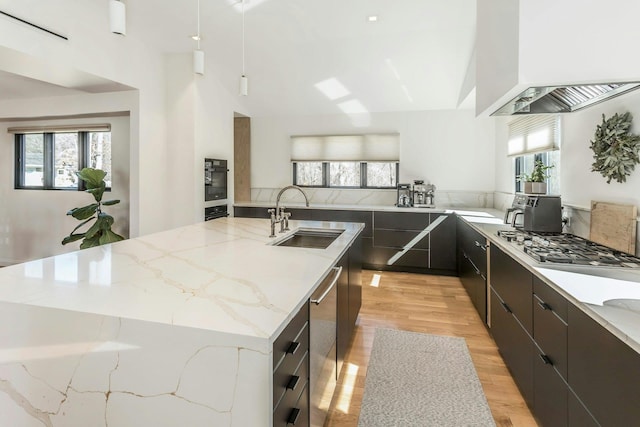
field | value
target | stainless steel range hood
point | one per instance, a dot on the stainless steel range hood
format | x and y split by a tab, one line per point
562	99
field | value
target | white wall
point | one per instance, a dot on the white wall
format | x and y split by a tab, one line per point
34	222
578	184
451	149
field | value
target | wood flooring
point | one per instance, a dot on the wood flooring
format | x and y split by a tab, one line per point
429	304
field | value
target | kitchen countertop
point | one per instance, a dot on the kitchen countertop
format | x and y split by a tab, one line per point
220	275
586	287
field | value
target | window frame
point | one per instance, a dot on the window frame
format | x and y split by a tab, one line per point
48	166
519	167
363	176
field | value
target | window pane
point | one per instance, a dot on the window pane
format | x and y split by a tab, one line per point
344	174
34	160
381	174
100	153
309	173
65	158
524	165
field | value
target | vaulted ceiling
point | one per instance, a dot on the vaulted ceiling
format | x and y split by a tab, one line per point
319	56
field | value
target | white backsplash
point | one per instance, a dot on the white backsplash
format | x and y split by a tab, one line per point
332	196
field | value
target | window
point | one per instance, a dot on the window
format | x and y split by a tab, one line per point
346	161
49	160
346	174
524	165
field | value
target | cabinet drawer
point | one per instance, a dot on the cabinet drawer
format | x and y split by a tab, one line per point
296	331
514	284
398	239
401	220
550	394
365	217
293	410
551	298
415	258
550	333
288	383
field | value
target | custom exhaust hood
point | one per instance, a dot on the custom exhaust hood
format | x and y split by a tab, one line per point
562	99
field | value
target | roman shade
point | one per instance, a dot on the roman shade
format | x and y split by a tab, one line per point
343	148
103	127
533	134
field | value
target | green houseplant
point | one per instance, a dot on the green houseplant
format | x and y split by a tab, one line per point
615	149
534	183
99	233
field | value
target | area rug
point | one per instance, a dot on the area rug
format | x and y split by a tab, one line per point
422	380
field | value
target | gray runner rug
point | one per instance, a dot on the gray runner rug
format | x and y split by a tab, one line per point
417	379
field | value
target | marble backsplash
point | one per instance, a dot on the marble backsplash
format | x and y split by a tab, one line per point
332	196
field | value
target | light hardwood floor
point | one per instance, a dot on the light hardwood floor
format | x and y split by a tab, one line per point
430	304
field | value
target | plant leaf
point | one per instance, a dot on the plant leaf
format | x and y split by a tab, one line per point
83	212
92	177
81	224
72	238
111	202
109	236
98	191
89	243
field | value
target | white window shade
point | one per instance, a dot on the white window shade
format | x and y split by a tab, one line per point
61	128
368	147
533	134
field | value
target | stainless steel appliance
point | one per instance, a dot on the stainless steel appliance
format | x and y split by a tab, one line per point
323	362
214	212
517	206
559	248
404	196
541	214
215	179
423	196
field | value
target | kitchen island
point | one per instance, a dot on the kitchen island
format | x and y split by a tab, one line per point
170	329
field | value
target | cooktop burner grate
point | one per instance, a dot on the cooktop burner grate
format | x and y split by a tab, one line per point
568	249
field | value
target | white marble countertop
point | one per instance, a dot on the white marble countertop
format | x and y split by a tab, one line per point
221	276
609	296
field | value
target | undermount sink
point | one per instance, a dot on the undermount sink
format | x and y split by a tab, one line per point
315	238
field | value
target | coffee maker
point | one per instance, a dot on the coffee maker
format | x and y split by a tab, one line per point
540	213
419	193
404	196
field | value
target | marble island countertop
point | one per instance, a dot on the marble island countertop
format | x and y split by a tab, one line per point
221	275
608	295
170	329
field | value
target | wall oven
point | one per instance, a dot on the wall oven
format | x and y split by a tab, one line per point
215	179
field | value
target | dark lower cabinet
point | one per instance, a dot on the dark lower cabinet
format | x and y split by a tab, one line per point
604	372
515	345
442	243
349	298
578	415
550	392
475	284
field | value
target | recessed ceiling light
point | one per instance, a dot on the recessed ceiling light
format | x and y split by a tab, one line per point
372	18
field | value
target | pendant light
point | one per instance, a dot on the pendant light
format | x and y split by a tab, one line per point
198	55
244	81
117	17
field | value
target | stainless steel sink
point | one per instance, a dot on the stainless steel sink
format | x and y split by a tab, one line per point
316	238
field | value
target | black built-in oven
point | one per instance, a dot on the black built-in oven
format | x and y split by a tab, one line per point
215	179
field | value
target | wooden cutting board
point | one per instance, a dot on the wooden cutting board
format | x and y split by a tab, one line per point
614	225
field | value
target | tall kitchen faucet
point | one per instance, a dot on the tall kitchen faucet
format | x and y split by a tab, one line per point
278	215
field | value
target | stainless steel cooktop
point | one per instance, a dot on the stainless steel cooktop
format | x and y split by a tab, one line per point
569	249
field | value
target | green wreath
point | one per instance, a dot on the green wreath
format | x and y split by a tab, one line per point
615	149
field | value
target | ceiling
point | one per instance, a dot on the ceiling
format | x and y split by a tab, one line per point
315	56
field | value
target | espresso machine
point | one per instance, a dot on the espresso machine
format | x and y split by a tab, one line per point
423	196
404	196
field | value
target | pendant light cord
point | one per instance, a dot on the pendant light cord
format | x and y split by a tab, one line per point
198	24
243	37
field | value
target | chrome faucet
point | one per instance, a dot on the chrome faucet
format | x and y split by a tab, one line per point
278	215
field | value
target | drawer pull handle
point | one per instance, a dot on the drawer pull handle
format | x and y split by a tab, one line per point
293	416
293	347
480	245
293	382
544	305
546	359
506	307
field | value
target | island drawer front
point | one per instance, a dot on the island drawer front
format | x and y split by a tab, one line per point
294	406
398	239
556	302
292	332
282	378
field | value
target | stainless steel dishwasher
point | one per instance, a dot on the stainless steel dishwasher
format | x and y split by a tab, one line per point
322	347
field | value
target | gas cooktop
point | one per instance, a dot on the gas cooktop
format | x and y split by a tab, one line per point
561	248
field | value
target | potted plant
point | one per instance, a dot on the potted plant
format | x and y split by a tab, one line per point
99	233
534	183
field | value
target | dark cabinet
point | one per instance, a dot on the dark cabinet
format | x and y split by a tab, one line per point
603	371
291	371
349	298
578	415
550	392
442	240
472	265
261	212
515	345
550	325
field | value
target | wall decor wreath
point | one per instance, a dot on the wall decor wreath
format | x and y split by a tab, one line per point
615	149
